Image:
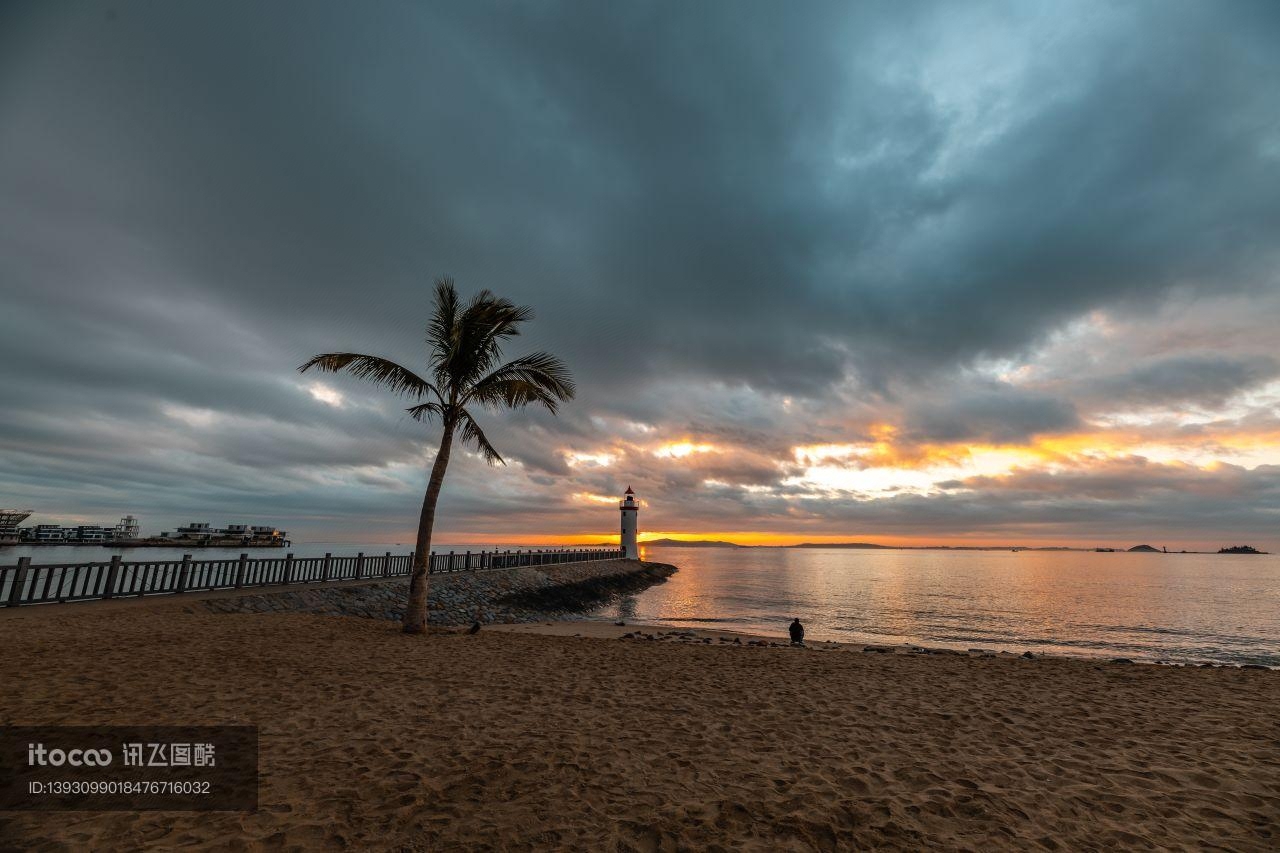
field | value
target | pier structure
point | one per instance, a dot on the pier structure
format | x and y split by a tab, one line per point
26	584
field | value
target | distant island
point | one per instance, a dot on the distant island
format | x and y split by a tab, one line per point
693	543
842	545
1145	549
1240	549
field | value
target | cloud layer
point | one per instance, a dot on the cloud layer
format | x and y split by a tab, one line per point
898	272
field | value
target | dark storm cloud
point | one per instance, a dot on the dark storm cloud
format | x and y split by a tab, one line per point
1208	379
712	206
989	413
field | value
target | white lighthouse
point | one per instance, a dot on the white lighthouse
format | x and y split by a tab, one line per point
630	525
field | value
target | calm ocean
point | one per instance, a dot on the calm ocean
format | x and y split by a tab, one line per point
1175	607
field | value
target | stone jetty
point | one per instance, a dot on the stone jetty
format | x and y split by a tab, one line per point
524	594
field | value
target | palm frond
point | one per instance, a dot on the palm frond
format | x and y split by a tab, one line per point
465	343
474	437
475	342
425	412
442	326
382	371
535	378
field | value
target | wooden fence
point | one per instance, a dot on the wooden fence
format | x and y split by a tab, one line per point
58	582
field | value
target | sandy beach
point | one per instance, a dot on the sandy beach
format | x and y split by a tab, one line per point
517	740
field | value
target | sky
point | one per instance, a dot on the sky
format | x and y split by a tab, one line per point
975	273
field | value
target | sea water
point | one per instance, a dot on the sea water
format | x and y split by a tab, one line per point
1153	607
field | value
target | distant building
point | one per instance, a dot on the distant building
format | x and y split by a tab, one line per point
89	534
128	528
202	530
267	532
49	533
195	530
9	521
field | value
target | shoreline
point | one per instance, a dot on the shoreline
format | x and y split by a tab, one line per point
604	628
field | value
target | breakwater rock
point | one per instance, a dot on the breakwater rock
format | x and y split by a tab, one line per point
524	594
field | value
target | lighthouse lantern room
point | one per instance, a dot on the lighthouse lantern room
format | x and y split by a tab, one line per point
630	508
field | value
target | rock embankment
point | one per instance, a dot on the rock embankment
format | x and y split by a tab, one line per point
525	594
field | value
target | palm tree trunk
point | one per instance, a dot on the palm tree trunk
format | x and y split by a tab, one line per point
415	614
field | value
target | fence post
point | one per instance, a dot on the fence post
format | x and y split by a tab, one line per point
288	568
468	565
240	570
112	572
360	565
19	581
184	573
324	573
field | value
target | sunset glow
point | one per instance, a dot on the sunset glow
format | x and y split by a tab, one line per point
908	286
681	449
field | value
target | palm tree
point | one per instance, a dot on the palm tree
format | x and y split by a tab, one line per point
464	343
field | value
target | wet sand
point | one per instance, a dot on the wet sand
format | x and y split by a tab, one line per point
526	740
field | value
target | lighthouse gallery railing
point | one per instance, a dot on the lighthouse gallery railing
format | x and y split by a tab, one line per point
60	582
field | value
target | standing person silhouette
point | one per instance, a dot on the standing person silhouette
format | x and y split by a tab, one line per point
797	632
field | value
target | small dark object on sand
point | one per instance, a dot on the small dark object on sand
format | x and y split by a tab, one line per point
620	624
1028	655
474	629
797	632
1121	660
